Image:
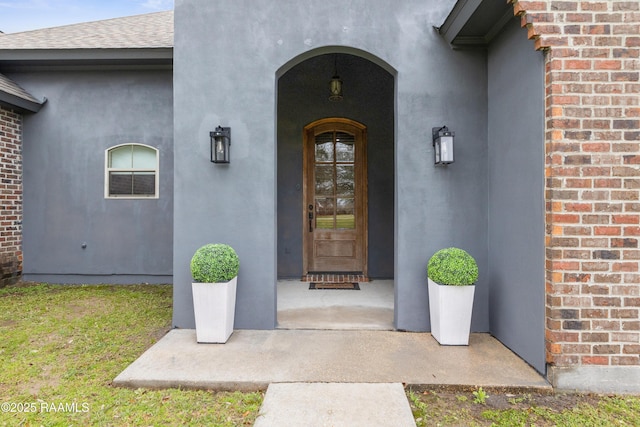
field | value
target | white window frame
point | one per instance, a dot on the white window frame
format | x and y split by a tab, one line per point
108	170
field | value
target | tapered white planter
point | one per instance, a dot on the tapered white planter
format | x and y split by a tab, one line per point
214	306
450	310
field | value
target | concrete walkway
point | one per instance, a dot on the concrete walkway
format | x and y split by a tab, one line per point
335	405
253	360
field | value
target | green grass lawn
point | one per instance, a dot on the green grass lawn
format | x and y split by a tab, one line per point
61	346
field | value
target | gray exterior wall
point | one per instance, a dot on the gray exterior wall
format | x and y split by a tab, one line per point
228	57
128	241
516	198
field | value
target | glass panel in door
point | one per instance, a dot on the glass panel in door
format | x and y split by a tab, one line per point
334	172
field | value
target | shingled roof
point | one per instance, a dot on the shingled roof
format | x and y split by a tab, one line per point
148	31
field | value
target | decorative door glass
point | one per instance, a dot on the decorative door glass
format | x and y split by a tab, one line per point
334	172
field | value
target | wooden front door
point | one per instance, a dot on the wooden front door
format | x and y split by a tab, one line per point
335	197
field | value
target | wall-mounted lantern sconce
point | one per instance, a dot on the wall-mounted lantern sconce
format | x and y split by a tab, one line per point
442	145
220	145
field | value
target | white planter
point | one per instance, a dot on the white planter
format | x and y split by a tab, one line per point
450	310
214	307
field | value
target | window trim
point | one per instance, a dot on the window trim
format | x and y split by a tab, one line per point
108	170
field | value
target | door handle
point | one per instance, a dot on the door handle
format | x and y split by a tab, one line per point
310	221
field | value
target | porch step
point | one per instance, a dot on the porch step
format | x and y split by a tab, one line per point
335	277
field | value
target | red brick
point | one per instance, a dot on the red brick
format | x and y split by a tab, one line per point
632	231
624	243
607	278
576	348
605	325
565	265
626	124
632	41
606	349
594	6
577	17
595	337
576	277
624	360
594	290
624	313
631	326
595	360
607	231
10	194
566	218
603	194
578	207
595	266
632	302
608	183
594	242
631	349
631	255
625	219
626	5
595	146
625	266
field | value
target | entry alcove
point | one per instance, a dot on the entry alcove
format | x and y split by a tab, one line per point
368	98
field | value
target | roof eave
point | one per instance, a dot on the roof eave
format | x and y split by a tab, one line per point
87	55
19	104
458	17
85	59
466	13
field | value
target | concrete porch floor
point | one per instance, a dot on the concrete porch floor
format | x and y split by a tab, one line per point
370	308
251	360
329	336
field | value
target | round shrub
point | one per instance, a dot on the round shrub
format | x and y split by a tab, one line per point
452	266
214	263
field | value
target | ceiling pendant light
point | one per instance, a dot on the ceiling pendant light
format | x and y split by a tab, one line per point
335	86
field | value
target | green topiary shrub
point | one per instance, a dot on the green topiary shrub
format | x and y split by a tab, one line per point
214	263
452	266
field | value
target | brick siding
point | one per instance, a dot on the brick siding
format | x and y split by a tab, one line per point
10	196
592	170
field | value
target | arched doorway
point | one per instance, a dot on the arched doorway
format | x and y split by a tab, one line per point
368	104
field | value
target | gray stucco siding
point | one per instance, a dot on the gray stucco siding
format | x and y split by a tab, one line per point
516	195
441	206
227	60
64	160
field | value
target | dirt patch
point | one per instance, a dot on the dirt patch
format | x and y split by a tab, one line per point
556	401
89	305
46	378
7	323
157	334
449	407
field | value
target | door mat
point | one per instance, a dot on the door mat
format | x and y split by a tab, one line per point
344	285
340	277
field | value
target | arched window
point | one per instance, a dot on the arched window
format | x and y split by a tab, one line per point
131	171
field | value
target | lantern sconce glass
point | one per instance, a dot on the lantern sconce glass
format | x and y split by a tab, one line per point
220	145
442	145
